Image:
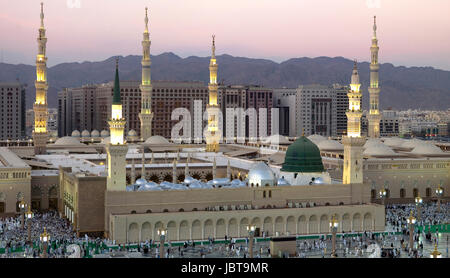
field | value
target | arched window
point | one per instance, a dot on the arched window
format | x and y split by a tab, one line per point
402	193
149	211
133	212
270	193
428	192
388	193
165	210
373	193
264	194
181	210
415	192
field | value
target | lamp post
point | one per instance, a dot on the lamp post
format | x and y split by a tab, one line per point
334	224
45	237
439	192
419	201
162	236
29	215
411	222
251	233
22	206
435	253
383	195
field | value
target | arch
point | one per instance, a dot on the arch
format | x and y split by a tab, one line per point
172	231
180	177
208	229
268	226
220	228
209	176
428	192
184	230
196	176
158	225
181	210
279	225
167	177
313	225
373	193
356	225
415	192
324	224
243	227
154	178
367	224
196	229
346	223
256	221
302	225
233	228
146	231
290	225
133	233
402	193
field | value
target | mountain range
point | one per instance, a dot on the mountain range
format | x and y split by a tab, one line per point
401	87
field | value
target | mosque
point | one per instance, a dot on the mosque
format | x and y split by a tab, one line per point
126	188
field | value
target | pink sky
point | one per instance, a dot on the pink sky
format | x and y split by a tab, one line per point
410	32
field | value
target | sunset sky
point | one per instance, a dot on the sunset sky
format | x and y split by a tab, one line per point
410	32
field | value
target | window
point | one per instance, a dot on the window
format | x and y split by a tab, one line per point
264	194
402	193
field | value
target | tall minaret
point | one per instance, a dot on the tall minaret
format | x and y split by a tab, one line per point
117	148
353	142
213	134
146	114
374	116
40	133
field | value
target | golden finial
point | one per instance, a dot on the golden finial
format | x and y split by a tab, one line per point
42	14
374	26
146	19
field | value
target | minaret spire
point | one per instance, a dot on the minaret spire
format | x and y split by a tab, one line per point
146	115
42	15
213	54
374	26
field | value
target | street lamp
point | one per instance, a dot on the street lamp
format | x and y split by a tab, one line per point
29	216
22	206
383	194
251	233
334	224
162	236
45	237
435	253
419	201
439	193
411	222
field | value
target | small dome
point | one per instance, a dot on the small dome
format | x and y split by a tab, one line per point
85	133
64	141
427	149
104	133
132	133
303	156
277	139
378	149
412	143
316	138
330	145
219	181
189	180
371	141
393	142
260	173
282	182
75	133
141	181
95	133
157	140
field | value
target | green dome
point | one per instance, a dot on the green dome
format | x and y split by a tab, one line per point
303	156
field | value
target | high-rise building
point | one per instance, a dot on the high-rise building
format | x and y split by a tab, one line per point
374	115
40	134
234	96
146	114
12	111
353	142
259	98
389	124
341	108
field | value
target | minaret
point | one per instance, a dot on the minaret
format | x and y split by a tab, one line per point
353	142
186	168
213	134
152	160
214	168
40	133
133	172
146	114
374	116
174	171
117	148
228	170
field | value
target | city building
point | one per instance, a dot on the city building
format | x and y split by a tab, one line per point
12	111
389	124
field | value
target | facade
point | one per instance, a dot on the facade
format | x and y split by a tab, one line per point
284	99
12	111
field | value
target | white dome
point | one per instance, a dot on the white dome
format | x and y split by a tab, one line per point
378	149
329	145
157	140
412	143
85	133
75	133
427	149
260	173
141	181
282	182
106	140
67	140
95	133
371	141
316	138
277	139
104	133
132	133
393	142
